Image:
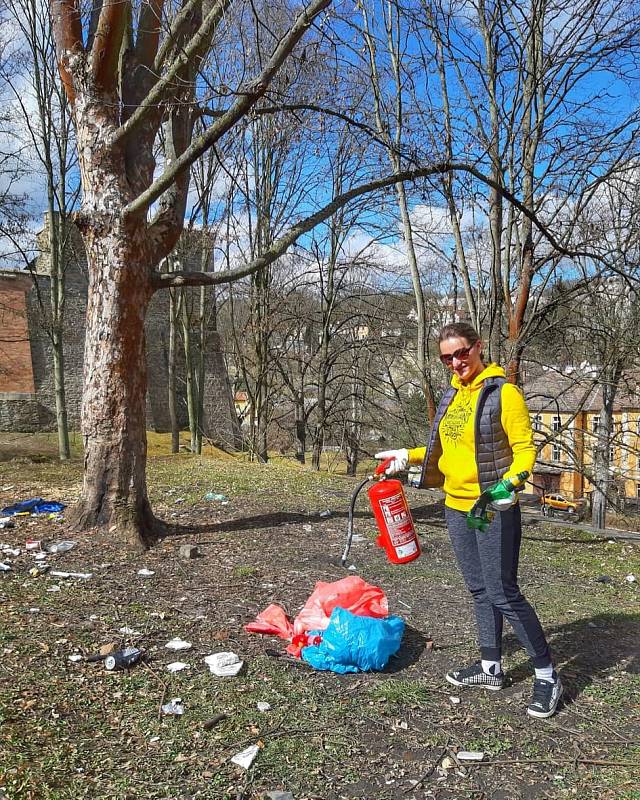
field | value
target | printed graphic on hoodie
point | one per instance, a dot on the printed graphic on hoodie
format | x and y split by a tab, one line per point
457	416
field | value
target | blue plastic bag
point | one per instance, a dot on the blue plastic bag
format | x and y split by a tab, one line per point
355	644
35	506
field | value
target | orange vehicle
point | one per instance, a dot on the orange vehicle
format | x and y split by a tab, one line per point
556	503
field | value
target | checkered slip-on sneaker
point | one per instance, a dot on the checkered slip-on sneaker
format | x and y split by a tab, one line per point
474	675
546	696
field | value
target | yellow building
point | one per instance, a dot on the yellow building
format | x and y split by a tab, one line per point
566	415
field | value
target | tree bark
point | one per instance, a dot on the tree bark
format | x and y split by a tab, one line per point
114	492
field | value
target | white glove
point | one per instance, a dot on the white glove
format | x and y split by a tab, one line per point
400	460
503	505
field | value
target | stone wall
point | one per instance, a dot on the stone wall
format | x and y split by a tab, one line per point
27	392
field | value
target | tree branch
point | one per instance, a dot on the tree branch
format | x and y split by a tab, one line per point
67	32
105	51
187	55
149	32
246	99
280	246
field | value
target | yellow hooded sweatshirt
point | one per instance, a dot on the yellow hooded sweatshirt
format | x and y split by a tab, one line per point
457	436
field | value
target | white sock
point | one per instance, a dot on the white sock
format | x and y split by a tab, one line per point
544	673
491	667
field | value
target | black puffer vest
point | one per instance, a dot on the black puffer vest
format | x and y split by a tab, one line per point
493	453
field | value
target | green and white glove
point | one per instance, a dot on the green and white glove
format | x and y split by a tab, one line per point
400	460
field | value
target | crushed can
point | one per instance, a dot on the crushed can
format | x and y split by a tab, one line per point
123	659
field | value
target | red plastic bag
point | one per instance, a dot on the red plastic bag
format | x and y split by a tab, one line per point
352	593
272	620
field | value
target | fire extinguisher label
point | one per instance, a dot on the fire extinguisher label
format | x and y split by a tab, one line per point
399	525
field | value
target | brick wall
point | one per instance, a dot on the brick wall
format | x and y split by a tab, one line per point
16	373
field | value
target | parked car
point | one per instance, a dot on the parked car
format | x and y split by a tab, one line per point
556	503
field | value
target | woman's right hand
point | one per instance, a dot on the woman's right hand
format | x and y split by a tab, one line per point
400	460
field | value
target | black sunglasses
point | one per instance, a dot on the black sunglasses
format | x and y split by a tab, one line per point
462	353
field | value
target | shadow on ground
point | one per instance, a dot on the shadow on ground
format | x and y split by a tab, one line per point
587	649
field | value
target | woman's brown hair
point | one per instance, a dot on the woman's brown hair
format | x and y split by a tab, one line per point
459	330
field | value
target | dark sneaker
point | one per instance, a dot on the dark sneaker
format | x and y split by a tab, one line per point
475	676
546	695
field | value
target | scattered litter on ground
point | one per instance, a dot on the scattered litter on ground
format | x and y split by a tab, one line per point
76	657
307	528
32	544
246	757
41	569
146	573
470	755
224	664
173	707
353	568
263	706
40	556
4	567
178	666
215	496
213	721
325	514
630	579
447	763
279	796
127	631
81	575
454	700
123	659
60	547
54	588
7	488
7	523
34	506
178	644
188	551
10	551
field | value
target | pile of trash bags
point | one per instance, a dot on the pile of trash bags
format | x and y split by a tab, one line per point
344	626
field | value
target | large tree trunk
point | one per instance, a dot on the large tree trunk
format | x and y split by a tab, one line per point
114	492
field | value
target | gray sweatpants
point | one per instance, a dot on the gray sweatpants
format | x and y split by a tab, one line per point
489	564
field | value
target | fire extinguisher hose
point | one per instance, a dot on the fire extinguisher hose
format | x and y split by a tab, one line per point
352	506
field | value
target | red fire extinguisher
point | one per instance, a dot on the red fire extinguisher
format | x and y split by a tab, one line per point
397	534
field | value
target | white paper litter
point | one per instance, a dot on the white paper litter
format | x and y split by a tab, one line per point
224	664
174	707
453	699
4	567
146	573
178	644
177	666
10	551
630	579
470	755
83	575
129	631
75	657
263	706
245	758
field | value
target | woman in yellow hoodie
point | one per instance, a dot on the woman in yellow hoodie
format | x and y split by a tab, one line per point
481	434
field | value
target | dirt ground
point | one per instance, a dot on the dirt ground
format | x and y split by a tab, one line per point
71	729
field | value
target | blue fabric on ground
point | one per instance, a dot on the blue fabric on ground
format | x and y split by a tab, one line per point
35	506
355	644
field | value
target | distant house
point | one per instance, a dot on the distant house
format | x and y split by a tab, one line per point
565	410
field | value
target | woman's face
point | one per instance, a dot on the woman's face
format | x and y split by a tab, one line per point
462	358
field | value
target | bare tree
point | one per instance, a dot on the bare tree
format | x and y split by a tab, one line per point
49	133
